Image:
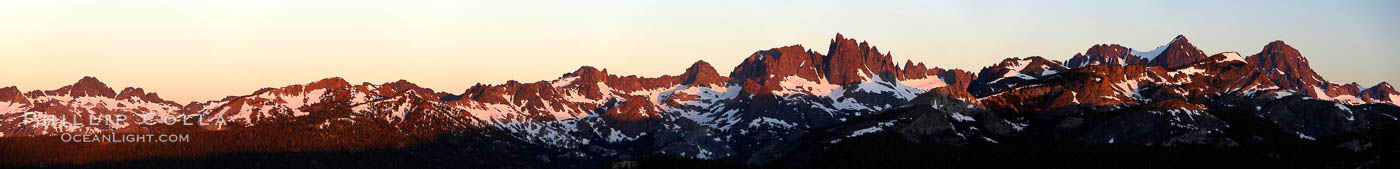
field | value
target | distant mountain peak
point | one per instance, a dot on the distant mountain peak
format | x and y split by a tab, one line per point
136	92
1278	43
12	94
333	82
1381	93
1012	71
1287	68
702	74
88	86
587	72
846	59
1100	54
1179	52
1226	56
404	85
1382	87
1277	50
700	67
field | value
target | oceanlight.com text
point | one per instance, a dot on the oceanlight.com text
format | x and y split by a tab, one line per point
124	138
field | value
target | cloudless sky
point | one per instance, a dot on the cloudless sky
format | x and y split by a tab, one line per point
205	50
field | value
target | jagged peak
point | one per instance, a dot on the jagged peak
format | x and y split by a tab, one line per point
331	82
699	67
846	58
1179	52
1113	51
1104	49
1006	62
756	64
401	83
582	70
1356	86
1032	63
512	83
1383	86
404	85
132	90
1277	51
136	92
702	73
1100	54
1278	47
89	86
1017	61
1227	56
89	81
1277	43
1381	91
1179	41
841	43
13	89
798	46
587	72
11	94
764	55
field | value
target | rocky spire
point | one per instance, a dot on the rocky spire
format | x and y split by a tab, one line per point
847	58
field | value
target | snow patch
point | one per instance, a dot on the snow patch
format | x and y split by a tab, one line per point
12	107
990	140
1348	99
960	117
799	85
879	85
1016	126
768	121
872	129
1304	136
1152	54
924	84
563	82
1188	71
1233	56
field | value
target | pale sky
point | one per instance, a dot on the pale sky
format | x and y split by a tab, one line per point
195	51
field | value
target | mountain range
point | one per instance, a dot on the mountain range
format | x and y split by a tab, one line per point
787	106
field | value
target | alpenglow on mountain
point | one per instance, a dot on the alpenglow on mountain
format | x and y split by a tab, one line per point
787	106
